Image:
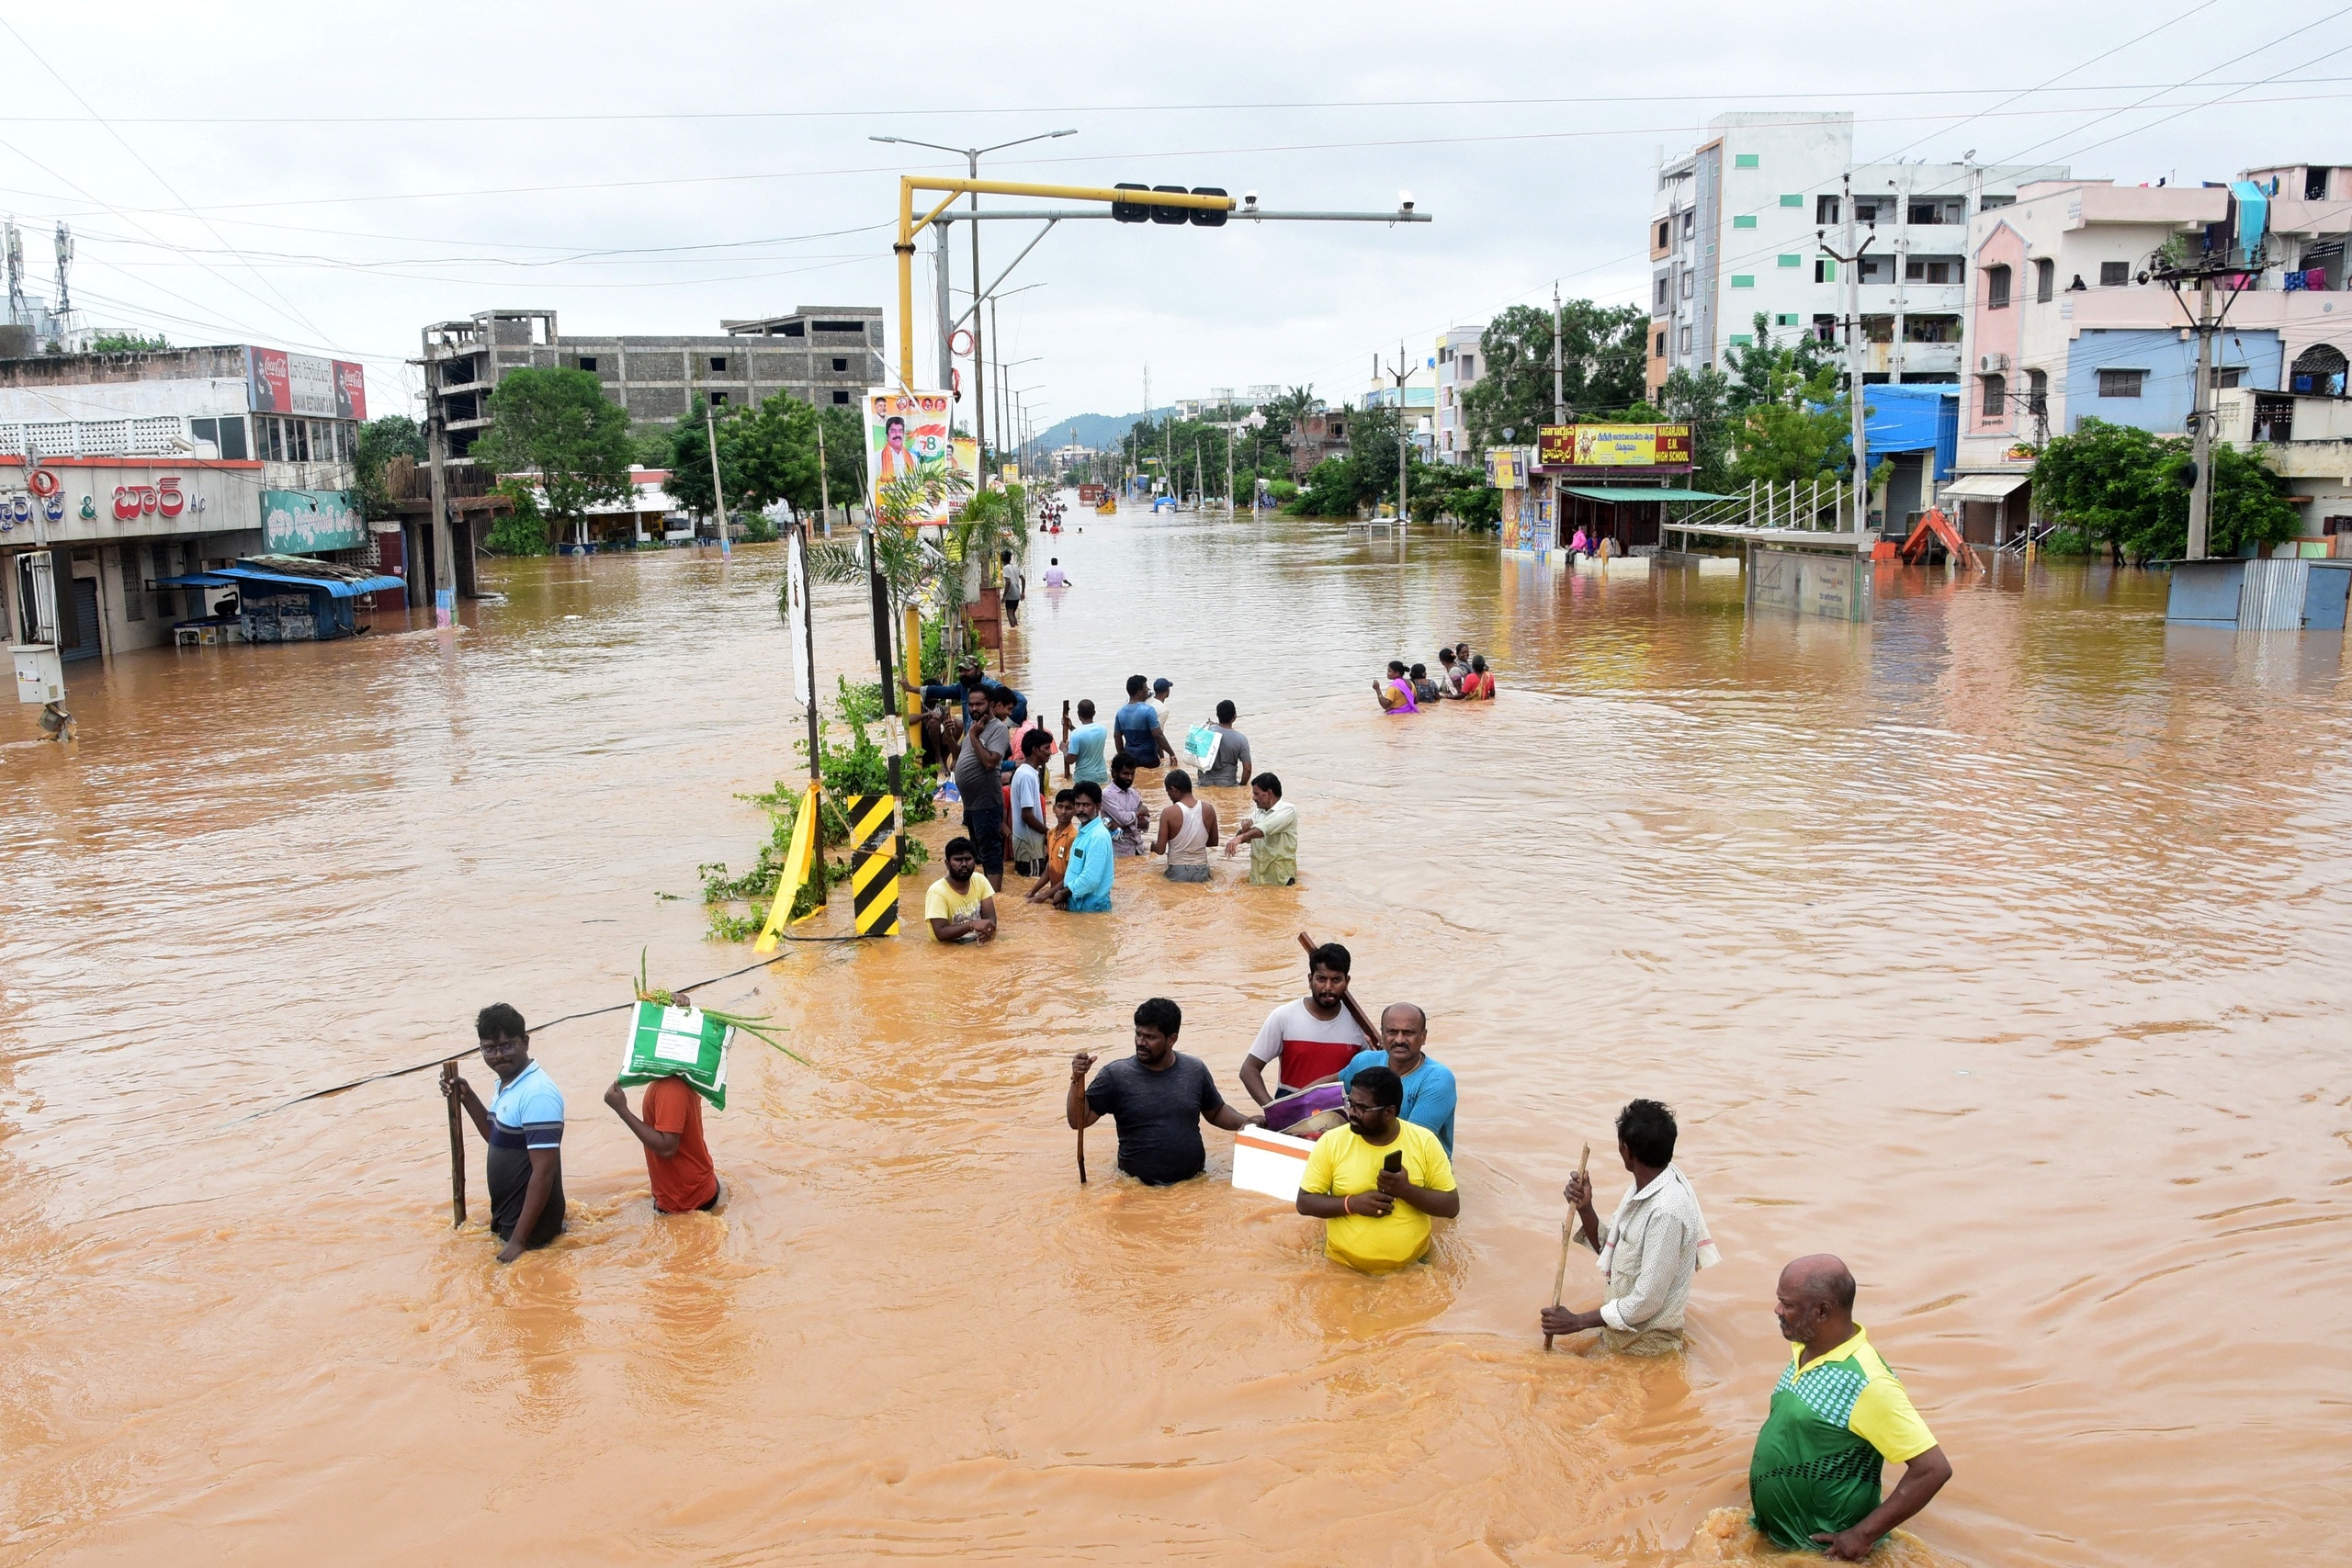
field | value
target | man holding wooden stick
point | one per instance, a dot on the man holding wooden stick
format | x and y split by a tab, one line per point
523	1124
1312	1036
1654	1242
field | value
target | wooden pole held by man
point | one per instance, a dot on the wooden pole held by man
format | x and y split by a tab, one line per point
1567	1239
457	1152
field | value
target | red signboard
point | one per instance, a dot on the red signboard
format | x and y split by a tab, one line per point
299	384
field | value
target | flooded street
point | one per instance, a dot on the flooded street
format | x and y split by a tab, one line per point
2001	947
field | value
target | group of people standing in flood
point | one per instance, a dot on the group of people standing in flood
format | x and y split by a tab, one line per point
1380	1171
1068	842
1461	676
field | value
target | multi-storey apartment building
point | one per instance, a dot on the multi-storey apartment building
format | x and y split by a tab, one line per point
1460	361
2065	322
1735	235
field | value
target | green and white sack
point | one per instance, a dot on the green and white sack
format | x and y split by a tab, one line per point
682	1042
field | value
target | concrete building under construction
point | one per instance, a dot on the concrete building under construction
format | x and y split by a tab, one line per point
820	353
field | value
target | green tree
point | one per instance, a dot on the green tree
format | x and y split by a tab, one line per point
380	442
844	428
1701	398
1602	364
1797	430
2128	489
128	342
521	529
555	428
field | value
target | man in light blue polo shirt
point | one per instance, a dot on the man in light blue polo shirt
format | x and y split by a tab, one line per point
1085	750
1428	1086
523	1124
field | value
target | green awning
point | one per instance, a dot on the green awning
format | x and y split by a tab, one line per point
1639	492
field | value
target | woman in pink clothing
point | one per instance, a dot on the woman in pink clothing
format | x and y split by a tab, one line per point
1395	694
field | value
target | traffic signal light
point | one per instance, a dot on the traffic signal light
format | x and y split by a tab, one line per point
1146	212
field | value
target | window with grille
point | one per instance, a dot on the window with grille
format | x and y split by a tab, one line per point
2114	274
2121	383
1996	287
1997	391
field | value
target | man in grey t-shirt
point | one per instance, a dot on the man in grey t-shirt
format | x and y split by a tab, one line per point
987	738
1232	767
1158	1097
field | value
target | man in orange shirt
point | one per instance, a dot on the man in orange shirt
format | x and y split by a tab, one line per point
676	1160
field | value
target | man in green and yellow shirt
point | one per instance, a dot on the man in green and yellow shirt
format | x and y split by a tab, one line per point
1838	1414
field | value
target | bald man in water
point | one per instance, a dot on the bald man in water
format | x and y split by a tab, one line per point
1838	1414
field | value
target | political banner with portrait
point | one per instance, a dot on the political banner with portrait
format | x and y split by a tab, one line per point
905	430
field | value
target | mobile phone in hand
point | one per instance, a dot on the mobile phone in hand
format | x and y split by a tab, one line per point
1395	1162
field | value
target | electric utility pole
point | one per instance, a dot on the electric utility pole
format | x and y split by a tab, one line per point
1404	446
2207	324
2200	493
718	492
1559	401
1851	260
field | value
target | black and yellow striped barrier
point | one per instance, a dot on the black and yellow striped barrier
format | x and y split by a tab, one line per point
872	862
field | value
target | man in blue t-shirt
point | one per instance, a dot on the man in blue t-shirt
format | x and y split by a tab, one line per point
523	1124
1428	1086
1137	728
974	678
1085	750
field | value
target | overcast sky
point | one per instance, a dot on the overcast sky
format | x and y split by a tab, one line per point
331	177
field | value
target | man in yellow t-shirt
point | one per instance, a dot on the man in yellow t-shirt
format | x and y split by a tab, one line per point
961	906
1376	1182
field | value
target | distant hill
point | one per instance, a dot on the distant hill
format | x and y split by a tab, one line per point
1100	431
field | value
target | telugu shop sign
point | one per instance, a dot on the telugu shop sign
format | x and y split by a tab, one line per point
1615	447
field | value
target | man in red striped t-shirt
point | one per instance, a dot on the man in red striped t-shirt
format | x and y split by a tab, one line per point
1312	1037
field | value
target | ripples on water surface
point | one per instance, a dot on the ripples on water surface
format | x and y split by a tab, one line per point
1999	947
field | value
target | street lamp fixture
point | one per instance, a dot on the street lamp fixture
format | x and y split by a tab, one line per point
972	157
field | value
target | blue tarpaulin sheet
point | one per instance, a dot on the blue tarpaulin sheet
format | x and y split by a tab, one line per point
334	586
1904	418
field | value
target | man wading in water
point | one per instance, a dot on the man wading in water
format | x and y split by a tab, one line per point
523	1124
1187	830
1838	1415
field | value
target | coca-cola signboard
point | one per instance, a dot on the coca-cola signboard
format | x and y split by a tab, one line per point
301	384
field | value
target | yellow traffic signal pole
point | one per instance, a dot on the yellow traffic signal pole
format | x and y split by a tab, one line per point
948	190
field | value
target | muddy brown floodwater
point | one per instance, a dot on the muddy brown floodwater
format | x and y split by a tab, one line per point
2001	947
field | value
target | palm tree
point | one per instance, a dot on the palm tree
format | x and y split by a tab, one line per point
911	565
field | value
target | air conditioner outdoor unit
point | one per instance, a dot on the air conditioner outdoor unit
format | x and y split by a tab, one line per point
1992	364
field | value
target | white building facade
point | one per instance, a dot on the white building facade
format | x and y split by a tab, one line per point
1460	361
1738	228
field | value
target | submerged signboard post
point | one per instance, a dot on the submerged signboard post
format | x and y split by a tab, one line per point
1810	582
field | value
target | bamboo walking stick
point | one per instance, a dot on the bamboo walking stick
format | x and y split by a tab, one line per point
1355	1008
457	1152
1567	1234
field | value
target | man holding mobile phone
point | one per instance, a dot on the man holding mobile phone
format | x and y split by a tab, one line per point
1376	1182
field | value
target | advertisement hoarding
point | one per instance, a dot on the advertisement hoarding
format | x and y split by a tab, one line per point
905	431
1506	468
1615	447
302	522
299	384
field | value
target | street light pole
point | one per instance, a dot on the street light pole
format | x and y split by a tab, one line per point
972	157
